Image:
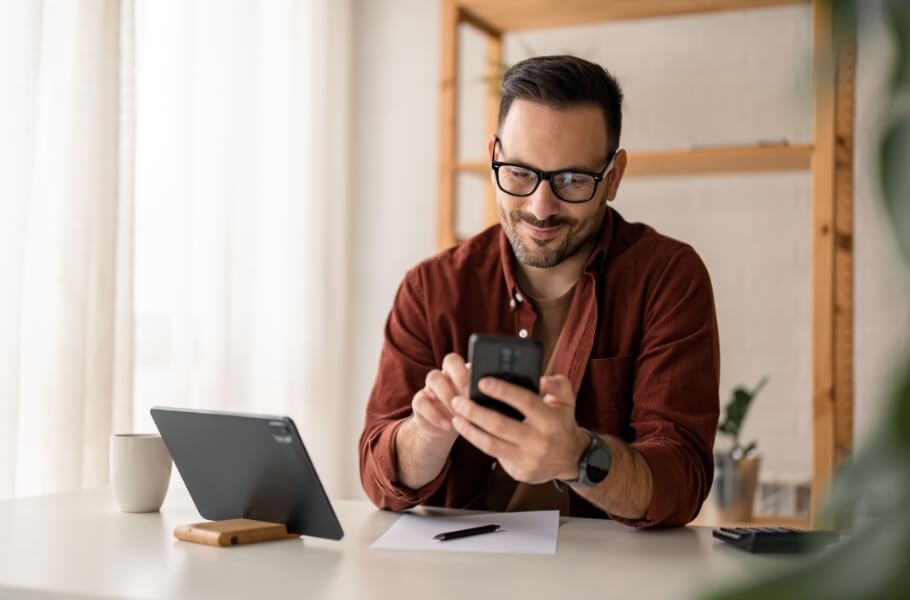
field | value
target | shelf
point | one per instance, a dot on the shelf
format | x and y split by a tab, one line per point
701	161
495	16
757	521
705	161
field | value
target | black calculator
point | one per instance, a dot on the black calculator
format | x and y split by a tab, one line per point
775	540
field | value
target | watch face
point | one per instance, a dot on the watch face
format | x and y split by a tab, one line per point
598	463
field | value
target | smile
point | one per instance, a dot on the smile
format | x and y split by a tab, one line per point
542	234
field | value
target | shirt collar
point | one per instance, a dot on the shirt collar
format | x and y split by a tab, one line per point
595	263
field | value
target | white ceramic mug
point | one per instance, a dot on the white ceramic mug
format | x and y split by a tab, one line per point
140	471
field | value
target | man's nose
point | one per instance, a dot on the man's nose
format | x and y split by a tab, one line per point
543	203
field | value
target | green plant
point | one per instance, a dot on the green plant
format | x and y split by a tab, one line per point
735	415
874	562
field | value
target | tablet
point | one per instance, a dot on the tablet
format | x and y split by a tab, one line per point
247	466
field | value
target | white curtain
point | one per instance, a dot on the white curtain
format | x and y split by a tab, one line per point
60	260
241	211
175	169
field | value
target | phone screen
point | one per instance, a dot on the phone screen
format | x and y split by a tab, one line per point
512	359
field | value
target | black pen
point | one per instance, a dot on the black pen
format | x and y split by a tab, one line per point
454	535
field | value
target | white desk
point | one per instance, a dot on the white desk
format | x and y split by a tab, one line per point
77	545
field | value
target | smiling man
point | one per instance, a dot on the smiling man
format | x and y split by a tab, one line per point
624	424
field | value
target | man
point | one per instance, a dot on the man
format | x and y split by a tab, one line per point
628	406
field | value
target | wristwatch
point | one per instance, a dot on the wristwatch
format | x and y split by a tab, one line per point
594	464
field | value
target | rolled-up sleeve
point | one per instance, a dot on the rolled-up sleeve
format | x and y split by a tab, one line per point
675	397
405	360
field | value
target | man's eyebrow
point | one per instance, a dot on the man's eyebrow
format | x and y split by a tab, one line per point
522	163
575	167
581	168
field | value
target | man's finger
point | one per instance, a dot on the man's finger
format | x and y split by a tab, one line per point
429	410
454	366
494	423
527	402
441	386
560	387
482	440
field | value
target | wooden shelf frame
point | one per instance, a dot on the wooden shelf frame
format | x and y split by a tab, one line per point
700	161
498	16
828	159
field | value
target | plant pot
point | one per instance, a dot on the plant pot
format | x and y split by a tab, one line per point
734	486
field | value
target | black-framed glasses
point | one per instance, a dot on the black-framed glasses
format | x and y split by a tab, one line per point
570	186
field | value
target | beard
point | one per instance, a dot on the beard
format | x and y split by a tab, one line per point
549	253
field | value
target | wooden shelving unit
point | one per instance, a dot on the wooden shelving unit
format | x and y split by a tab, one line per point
757	521
829	160
499	16
758	159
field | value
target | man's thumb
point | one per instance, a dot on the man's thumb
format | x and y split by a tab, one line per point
557	390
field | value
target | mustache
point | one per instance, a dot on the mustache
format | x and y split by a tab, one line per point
554	221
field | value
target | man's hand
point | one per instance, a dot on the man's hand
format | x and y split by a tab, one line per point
424	441
545	446
432	406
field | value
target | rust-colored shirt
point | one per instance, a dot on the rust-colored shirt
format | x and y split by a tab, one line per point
639	345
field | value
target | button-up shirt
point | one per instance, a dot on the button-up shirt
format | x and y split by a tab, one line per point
639	345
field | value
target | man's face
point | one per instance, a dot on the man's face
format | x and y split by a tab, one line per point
542	229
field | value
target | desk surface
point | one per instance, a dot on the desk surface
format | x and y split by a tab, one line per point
78	545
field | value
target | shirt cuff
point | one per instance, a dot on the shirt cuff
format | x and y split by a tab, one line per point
385	464
668	488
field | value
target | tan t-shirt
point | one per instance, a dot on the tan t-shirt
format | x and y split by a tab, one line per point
551	317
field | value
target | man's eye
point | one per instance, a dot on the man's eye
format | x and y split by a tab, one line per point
575	180
519	174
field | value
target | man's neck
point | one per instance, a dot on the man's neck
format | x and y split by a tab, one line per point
553	282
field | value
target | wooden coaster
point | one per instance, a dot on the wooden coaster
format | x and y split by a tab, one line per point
232	532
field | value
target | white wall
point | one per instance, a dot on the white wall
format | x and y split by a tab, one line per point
711	79
393	213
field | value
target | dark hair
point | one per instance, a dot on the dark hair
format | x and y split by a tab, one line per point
561	82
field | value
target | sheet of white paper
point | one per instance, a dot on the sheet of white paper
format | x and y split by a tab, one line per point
533	532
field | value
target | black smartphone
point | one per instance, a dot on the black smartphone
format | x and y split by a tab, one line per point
511	359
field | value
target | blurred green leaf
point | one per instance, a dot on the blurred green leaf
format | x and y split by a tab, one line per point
883	463
875	561
903	412
895	176
872	564
897	13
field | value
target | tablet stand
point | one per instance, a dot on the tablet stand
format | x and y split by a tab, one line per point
232	532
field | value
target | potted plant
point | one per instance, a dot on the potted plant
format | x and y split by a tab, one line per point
736	468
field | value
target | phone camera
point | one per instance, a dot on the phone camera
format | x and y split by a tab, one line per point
280	432
506	356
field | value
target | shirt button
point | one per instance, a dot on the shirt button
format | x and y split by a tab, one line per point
512	304
523	333
519	297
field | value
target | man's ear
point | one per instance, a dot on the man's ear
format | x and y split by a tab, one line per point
490	141
615	175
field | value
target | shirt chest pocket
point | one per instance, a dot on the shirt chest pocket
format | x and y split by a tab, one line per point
605	401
